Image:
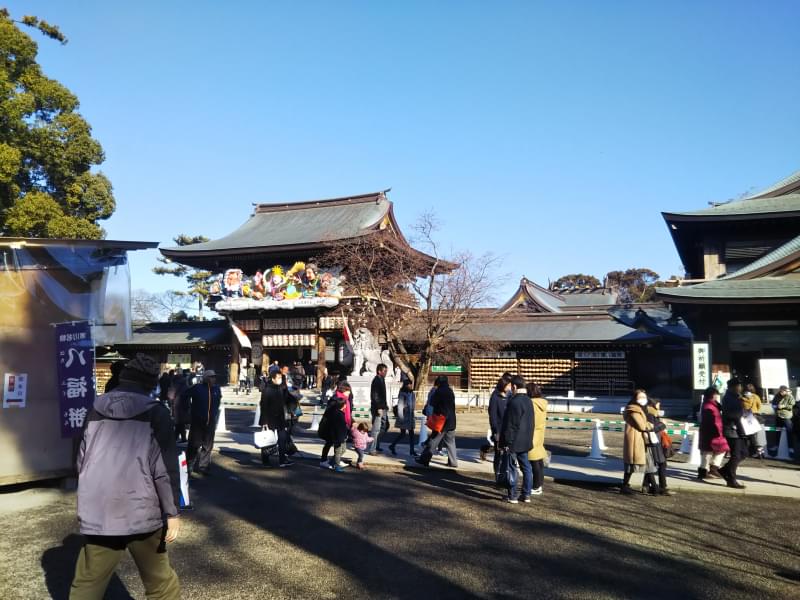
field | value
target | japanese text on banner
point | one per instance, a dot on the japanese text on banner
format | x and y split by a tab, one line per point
75	362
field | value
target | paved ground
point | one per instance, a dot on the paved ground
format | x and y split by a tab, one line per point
569	447
398	533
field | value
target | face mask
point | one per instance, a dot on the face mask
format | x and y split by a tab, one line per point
641	402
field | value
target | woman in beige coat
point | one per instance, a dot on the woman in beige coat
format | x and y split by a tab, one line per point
537	454
634	452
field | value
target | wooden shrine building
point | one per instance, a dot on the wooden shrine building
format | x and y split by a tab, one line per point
742	294
580	339
281	305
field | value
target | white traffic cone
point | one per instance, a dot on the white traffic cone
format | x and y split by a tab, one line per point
184	473
694	449
686	442
221	425
597	442
423	432
315	419
600	437
257	416
783	447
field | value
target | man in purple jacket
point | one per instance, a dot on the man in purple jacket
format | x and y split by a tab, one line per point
128	486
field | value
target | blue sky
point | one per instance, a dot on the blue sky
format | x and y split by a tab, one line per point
552	134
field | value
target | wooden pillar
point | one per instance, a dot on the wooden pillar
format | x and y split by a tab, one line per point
320	359
233	367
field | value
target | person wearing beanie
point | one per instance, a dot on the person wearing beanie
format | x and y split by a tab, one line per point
204	400
128	486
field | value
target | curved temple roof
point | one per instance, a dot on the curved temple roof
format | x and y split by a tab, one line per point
291	229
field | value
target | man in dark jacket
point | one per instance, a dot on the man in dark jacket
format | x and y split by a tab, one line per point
497	410
732	412
204	399
378	407
443	403
273	416
128	486
516	436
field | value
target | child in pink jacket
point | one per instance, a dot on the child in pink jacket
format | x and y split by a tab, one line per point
361	439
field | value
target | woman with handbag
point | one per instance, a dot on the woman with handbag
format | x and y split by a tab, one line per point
538	454
713	445
442	423
273	416
657	448
634	450
404	418
751	403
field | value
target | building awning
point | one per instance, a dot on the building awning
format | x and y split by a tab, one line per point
241	337
183	334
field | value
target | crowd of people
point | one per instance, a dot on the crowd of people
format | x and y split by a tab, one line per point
128	493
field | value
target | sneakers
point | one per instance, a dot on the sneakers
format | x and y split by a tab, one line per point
342	464
286	463
338	470
512	500
393	450
526	499
536	491
324	464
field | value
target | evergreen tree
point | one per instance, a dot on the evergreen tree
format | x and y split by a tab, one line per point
47	187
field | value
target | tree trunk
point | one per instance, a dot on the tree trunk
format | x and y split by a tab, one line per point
425	363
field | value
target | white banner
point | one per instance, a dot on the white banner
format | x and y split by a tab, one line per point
701	365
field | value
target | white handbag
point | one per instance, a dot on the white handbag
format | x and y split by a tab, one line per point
265	437
750	424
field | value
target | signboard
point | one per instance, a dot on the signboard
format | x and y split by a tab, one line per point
75	363
290	323
15	390
291	339
257	352
184	361
454	369
701	365
615	354
504	354
774	373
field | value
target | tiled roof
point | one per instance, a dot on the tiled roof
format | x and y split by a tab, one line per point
542	330
192	333
782	254
775	289
747	206
777	189
298	224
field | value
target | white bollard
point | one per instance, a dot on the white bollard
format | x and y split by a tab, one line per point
315	419
221	425
783	447
257	416
184	472
694	448
686	442
423	432
597	435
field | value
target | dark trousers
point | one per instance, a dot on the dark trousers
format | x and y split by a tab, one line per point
180	432
538	473
496	460
100	555
325	450
401	435
738	449
662	476
283	436
448	438
201	443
